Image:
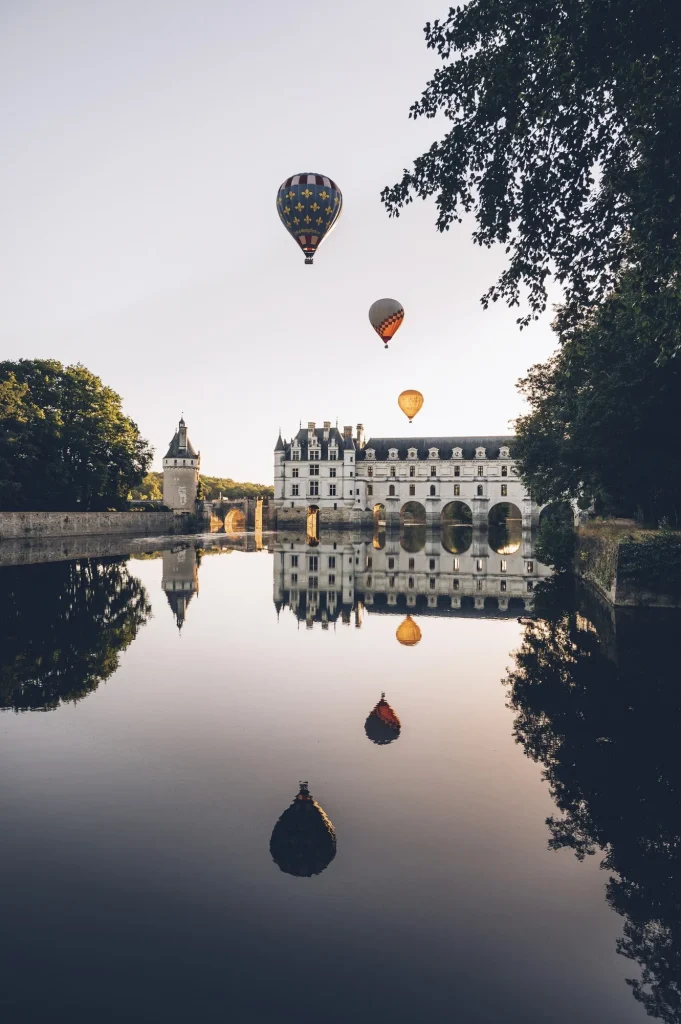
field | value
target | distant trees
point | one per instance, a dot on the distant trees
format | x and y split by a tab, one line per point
210	487
64	441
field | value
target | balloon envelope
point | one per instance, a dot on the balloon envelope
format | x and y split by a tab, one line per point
308	206
410	403
386	316
408	634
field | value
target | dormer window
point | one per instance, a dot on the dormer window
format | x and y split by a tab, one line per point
457	453
433	453
392	453
314	454
412	453
333	453
504	453
370	454
481	453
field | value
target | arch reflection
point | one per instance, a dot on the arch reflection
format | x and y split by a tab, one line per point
505	531
412	537
303	841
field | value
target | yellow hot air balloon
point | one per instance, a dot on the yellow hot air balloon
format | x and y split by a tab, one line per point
408	634
410	403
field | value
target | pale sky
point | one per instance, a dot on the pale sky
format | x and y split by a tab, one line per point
143	145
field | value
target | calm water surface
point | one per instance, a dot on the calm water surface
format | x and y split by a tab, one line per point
145	766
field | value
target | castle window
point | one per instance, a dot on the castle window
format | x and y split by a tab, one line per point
392	453
369	581
391	581
411	563
175	461
433	470
478	565
332	490
391	491
411	453
332	561
457	490
504	490
370	489
294	490
529	567
314	470
431	564
455	567
530	586
370	470
502	586
313	563
412	471
502	566
314	454
312	583
391	563
431	583
332	472
295	472
432	490
351	473
333	454
370	562
332	579
504	453
294	561
457	453
294	577
457	470
481	470
393	471
455	584
480	453
370	454
314	488
480	490
412	488
411	583
433	453
478	584
504	470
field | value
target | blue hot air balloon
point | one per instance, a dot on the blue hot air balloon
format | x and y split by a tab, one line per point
309	205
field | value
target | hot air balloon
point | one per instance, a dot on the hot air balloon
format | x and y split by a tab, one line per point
308	206
386	316
408	633
303	841
410	403
382	726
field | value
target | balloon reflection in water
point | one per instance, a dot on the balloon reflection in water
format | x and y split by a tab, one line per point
382	726
408	633
303	841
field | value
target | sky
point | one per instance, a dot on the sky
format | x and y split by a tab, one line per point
144	142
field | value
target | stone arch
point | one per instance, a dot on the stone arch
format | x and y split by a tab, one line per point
456	527
413	513
505	527
235	521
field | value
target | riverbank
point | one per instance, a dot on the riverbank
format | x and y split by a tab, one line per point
629	565
33	525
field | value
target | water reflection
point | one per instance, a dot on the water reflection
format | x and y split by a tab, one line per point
408	633
382	726
596	702
456	538
414	571
63	628
303	841
180	579
505	528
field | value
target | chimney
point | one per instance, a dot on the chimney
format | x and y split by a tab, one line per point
327	428
347	433
310	429
360	435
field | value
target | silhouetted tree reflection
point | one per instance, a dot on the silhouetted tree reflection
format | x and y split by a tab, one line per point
303	841
598	704
63	627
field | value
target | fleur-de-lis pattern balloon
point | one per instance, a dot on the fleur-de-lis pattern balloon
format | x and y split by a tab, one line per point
308	206
303	842
386	316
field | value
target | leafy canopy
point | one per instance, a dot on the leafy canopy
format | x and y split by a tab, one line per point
564	140
64	441
603	419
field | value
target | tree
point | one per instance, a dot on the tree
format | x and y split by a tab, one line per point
600	710
150	489
64	441
604	409
566	116
63	627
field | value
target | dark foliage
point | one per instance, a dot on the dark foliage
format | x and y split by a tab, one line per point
64	442
565	119
601	711
63	626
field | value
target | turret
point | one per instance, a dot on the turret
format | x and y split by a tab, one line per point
181	472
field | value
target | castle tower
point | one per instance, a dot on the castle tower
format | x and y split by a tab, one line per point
181	472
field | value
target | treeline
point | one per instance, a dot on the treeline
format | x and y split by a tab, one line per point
210	487
563	148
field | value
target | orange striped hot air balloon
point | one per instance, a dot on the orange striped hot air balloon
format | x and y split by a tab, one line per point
386	316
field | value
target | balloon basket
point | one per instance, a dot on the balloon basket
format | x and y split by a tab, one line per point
308	261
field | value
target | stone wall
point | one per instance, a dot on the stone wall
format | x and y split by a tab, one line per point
31	525
296	518
629	566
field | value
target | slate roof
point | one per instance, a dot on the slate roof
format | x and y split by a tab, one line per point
381	445
301	437
175	451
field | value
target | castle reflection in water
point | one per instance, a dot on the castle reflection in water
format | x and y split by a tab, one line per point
451	571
